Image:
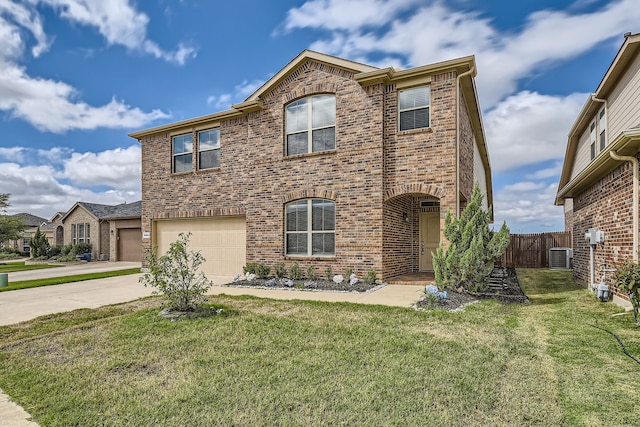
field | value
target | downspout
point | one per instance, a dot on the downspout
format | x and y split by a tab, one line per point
466	73
634	162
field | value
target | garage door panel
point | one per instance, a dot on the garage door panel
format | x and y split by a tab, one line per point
129	244
221	241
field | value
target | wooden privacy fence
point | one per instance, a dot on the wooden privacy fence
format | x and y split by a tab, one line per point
532	250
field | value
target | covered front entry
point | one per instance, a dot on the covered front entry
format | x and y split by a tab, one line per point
221	240
429	239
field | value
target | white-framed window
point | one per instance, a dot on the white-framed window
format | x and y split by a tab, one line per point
310	228
603	128
592	138
413	108
182	153
311	125
80	233
209	149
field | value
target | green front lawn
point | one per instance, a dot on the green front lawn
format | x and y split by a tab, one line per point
11	267
24	284
270	362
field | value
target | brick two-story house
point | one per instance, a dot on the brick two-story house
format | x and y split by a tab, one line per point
330	163
599	180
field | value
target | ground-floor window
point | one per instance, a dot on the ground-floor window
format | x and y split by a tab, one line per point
80	233
310	227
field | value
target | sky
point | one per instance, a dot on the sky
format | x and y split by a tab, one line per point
76	76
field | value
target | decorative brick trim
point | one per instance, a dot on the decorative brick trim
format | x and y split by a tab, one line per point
414	188
316	88
309	193
199	213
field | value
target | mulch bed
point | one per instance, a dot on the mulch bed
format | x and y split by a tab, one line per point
308	285
503	287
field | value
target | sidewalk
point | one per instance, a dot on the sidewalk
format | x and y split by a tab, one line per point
26	304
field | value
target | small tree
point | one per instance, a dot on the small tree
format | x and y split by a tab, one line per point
174	275
473	247
628	279
39	245
10	226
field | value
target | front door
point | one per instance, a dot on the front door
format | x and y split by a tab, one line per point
429	239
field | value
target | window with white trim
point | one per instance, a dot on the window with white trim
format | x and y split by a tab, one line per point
592	138
311	125
182	153
209	149
603	129
80	233
310	228
413	107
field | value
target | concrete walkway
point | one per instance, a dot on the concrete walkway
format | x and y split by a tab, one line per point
26	304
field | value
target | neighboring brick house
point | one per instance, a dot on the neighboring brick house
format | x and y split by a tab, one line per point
599	180
330	163
114	231
54	229
31	222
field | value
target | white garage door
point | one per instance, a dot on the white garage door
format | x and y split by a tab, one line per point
222	242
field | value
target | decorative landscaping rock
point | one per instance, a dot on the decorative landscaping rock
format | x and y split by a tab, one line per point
270	283
338	278
250	277
353	279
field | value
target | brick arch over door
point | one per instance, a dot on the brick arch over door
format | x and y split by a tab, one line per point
414	188
309	193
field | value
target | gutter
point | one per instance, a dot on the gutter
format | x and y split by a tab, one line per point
466	73
634	162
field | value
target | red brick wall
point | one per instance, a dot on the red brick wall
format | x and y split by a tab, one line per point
371	161
606	206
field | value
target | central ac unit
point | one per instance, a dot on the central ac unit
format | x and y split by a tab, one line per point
560	258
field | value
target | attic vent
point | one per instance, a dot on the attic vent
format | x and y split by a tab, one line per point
429	204
560	258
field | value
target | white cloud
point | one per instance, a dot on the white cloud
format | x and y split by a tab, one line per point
552	172
42	189
528	206
528	128
13	154
119	168
120	24
240	93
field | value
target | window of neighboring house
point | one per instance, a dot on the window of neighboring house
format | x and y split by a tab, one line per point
603	129
414	108
310	227
80	233
25	245
311	125
592	138
209	149
182	153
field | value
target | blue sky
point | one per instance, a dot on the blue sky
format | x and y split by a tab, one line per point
76	76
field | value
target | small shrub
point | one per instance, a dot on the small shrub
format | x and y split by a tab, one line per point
295	272
174	275
39	245
54	251
83	248
67	249
628	279
262	271
371	278
311	273
348	273
328	272
280	270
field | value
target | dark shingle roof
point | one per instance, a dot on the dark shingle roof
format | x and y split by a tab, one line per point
30	220
124	210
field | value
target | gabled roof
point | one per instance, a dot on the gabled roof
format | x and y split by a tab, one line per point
108	212
30	220
625	143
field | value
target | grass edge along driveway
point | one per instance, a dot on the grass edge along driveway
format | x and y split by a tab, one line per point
24	284
268	362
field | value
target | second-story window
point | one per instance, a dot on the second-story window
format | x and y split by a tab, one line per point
209	149
182	153
592	138
603	129
414	108
311	125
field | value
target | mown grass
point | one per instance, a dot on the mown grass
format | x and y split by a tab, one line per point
24	284
269	362
11	267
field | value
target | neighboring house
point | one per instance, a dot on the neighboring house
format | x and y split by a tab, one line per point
330	163
53	230
114	231
31	222
599	181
